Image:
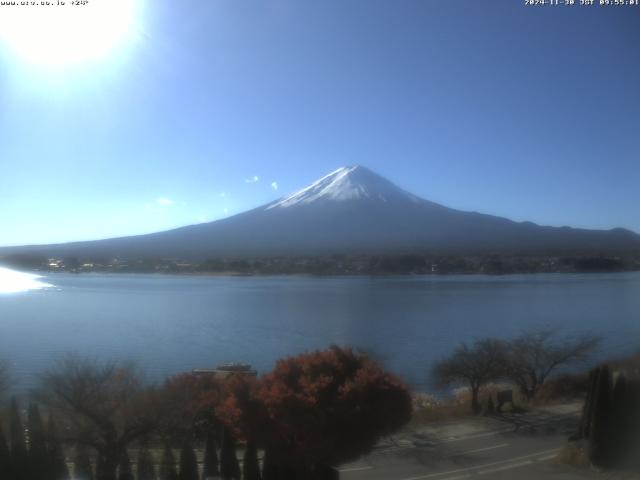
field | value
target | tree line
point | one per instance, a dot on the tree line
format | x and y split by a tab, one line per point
609	428
312	412
526	361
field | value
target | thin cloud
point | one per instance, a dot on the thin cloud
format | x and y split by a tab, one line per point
274	185
164	201
223	194
226	211
253	179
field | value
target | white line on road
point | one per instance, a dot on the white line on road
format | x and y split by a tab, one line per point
459	477
481	449
505	467
544	453
500	469
476	435
515	465
354	469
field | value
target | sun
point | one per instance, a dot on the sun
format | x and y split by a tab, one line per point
63	32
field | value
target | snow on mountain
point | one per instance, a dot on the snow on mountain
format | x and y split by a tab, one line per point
346	183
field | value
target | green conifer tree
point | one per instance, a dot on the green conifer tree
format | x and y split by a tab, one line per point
618	435
38	464
211	468
250	465
19	456
598	432
101	473
587	409
269	468
5	456
57	464
125	471
229	467
634	423
188	463
168	465
146	470
82	469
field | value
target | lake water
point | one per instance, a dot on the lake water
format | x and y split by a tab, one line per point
176	323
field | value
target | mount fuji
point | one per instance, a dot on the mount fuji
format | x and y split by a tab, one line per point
351	210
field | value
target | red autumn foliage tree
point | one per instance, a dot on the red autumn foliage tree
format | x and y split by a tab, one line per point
190	401
243	410
317	409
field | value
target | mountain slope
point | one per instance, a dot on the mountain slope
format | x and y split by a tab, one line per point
352	210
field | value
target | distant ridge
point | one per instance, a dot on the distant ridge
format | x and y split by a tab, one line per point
350	210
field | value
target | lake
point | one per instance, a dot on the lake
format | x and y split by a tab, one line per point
170	324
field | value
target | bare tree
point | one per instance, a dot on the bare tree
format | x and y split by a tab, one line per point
105	406
474	365
534	355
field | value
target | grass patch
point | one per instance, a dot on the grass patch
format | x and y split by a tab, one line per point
573	455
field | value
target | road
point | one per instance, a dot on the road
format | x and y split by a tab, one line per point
511	446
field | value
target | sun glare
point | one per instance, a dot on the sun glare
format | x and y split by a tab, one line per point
66	32
12	281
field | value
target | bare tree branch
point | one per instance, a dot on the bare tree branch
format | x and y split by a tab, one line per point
473	365
104	405
534	355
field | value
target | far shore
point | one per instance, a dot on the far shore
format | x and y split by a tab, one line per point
236	274
336	265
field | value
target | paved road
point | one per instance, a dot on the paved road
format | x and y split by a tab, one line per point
511	446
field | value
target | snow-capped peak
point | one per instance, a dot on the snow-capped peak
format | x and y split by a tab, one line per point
346	183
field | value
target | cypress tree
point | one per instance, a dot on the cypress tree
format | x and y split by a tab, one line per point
168	465
598	432
5	456
269	468
82	469
634	423
210	457
19	455
229	467
57	463
188	463
146	470
124	467
100	468
250	466
38	457
491	408
587	409
618	435
329	473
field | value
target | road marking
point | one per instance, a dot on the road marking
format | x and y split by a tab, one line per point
481	449
475	435
505	467
459	477
392	448
515	465
354	469
475	468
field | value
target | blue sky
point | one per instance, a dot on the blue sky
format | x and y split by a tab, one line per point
532	113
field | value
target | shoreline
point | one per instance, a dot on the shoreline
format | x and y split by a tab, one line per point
236	274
